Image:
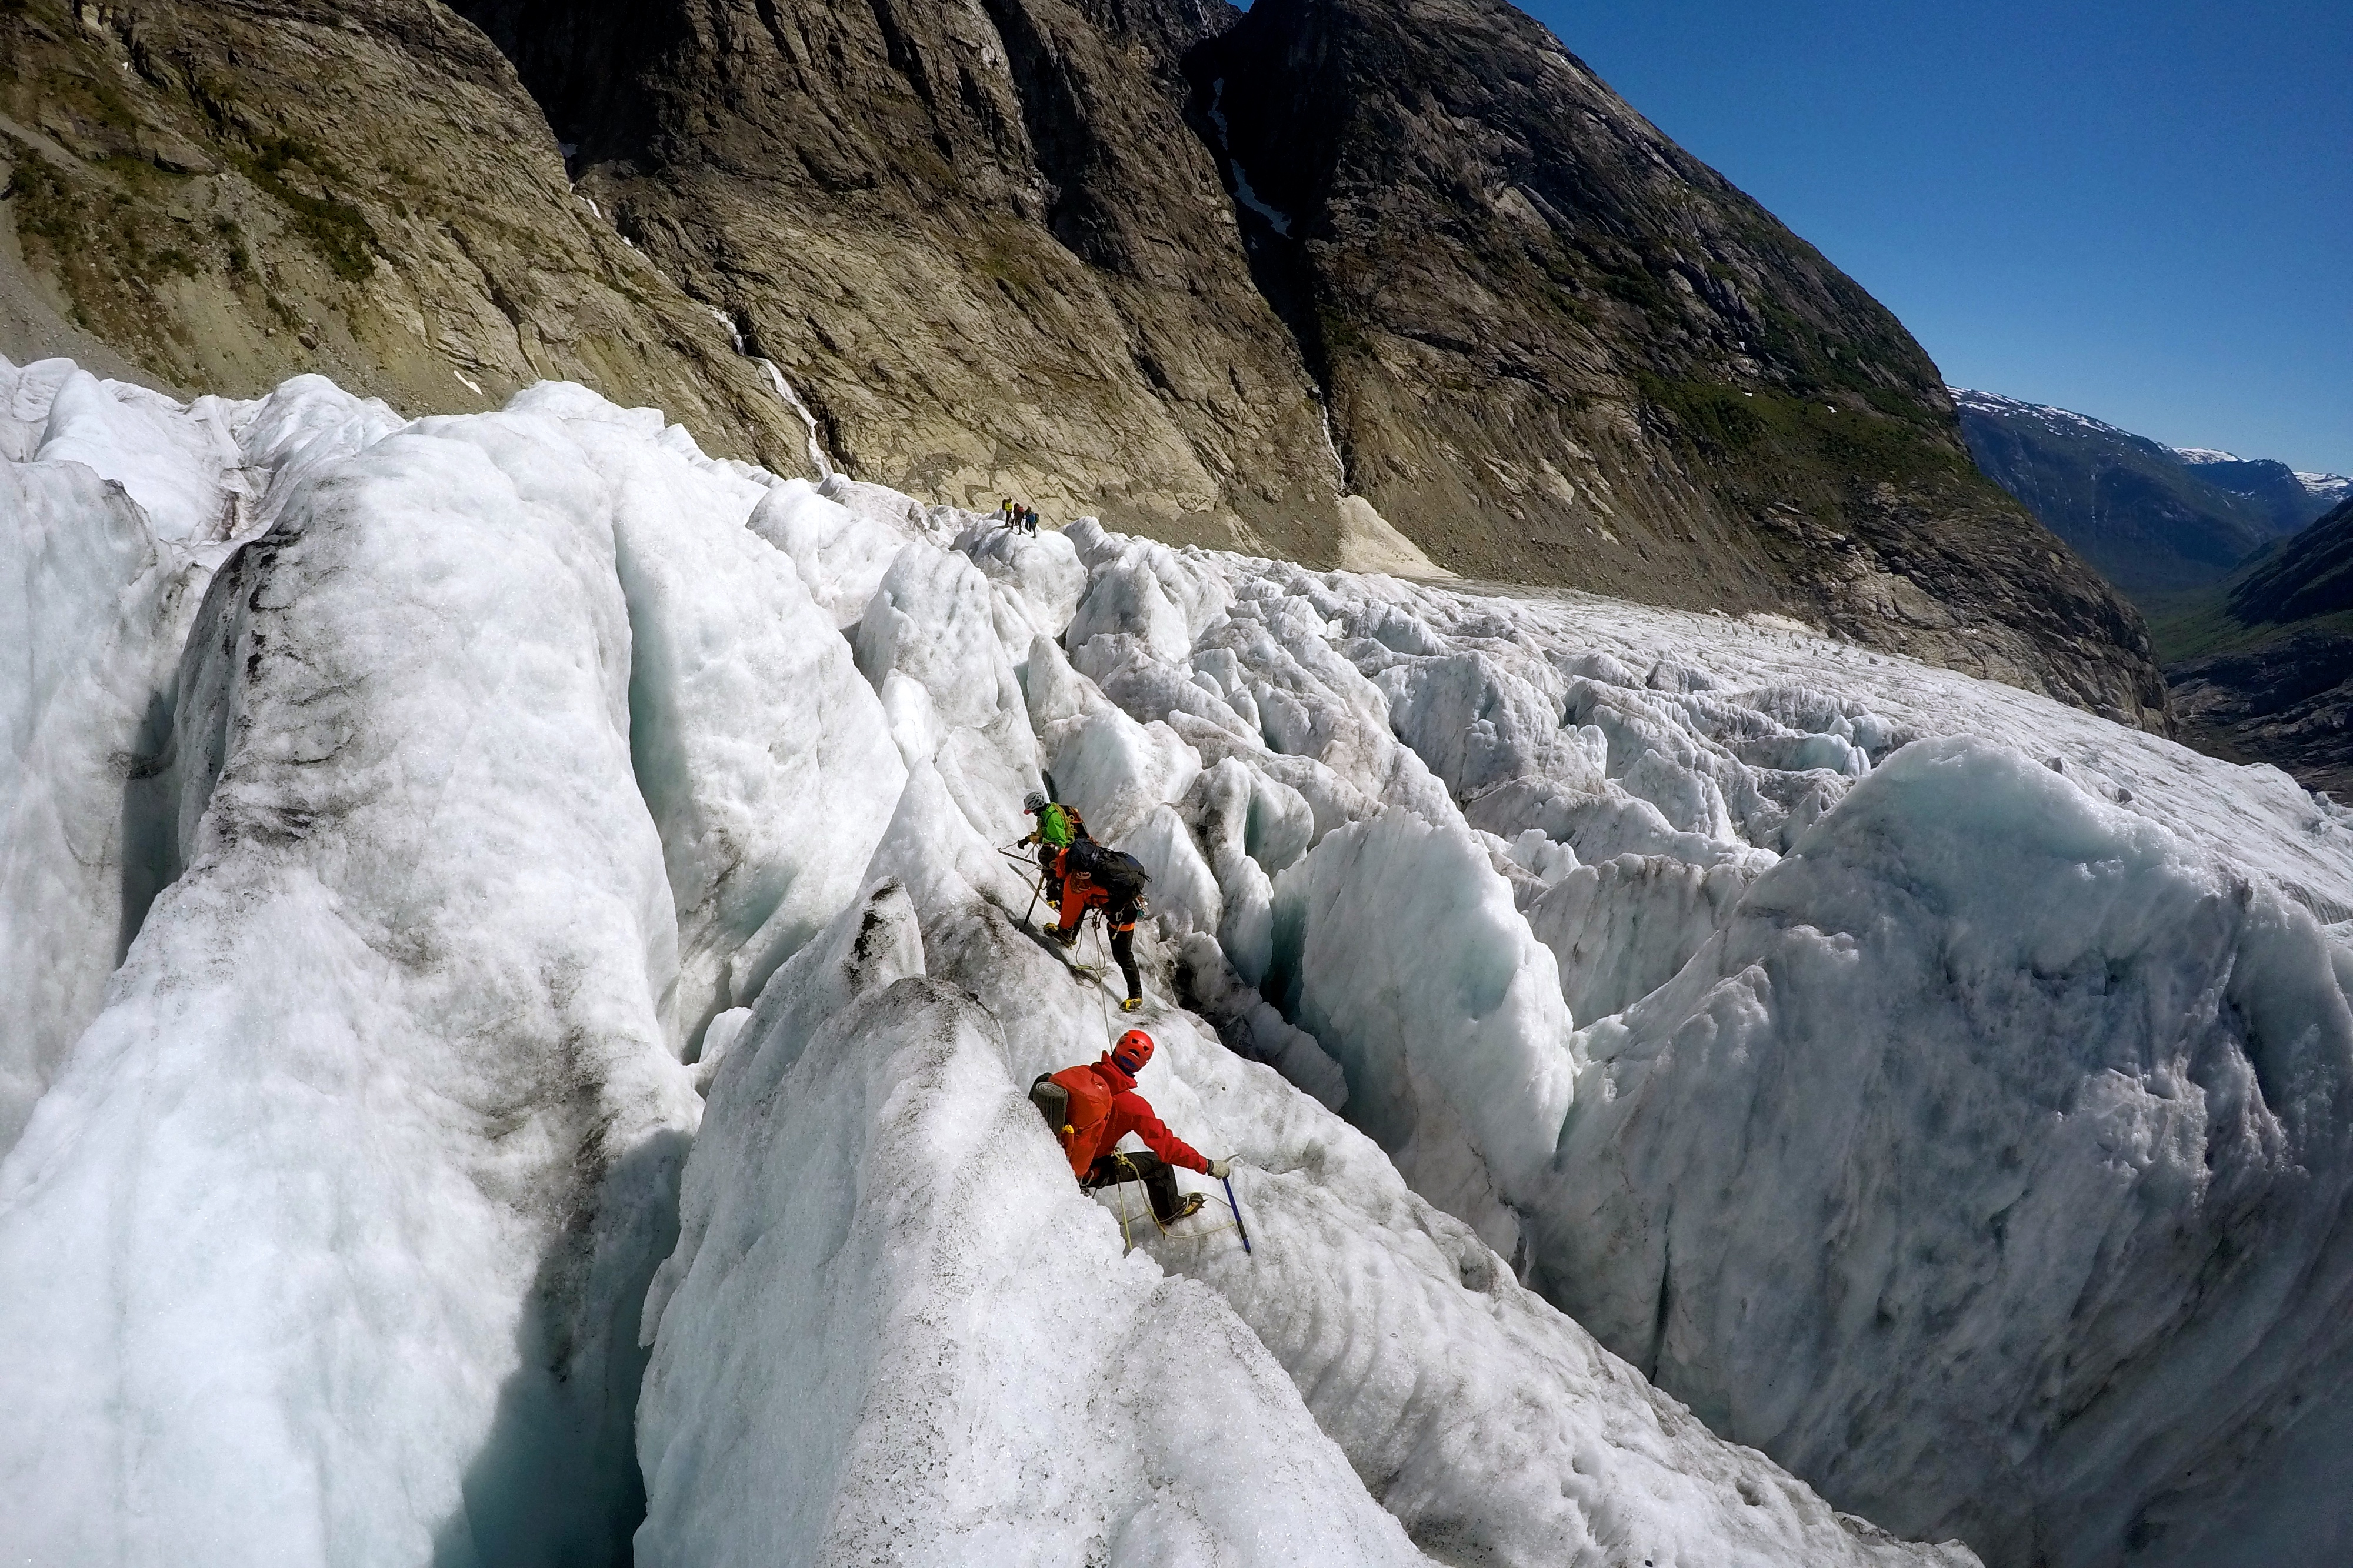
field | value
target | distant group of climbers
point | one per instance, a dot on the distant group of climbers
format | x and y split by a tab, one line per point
1095	1105
1011	513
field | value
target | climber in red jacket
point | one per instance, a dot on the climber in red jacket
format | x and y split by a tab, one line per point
1105	1108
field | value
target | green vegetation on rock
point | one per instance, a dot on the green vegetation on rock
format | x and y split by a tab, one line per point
229	195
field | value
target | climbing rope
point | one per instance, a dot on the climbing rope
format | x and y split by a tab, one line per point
1129	1176
1102	945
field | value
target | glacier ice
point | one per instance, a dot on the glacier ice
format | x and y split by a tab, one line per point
871	1191
1398	948
928	643
2071	1111
1619	929
1690	765
749	726
343	1206
116	509
1494	1426
87	705
1642	1034
901	1333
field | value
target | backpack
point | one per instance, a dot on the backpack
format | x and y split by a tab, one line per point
1071	1114
1119	874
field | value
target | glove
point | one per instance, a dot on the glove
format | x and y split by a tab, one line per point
1220	1169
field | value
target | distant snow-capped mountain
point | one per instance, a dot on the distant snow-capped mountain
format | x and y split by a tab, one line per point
2327	489
1995	403
2155	520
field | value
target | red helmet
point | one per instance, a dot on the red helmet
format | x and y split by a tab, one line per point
1135	1049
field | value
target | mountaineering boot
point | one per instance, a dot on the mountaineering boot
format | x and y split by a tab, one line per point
1189	1205
1131	1005
1062	937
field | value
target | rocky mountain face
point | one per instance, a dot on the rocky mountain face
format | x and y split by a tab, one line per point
1557	348
224	195
1127	256
1278	280
2153	522
983	241
2267	674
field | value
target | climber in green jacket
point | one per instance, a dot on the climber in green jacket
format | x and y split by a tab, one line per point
1058	825
1057	828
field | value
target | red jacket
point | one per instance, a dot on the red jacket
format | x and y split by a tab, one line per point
1130	1113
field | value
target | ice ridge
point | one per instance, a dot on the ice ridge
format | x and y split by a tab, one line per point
502	905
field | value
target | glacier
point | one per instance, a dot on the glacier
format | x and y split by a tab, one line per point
523	1009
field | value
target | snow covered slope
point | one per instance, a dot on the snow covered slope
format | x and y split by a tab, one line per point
1940	1089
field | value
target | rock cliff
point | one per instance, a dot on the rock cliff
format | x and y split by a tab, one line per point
227	193
1560	348
984	238
1279	280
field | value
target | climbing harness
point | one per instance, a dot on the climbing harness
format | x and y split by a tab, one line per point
1084	971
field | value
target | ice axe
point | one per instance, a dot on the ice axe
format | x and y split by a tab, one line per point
1238	1214
1035	888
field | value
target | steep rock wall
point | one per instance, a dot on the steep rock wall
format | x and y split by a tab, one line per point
1560	348
226	195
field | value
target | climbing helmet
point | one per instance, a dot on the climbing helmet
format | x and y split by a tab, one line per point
1135	1049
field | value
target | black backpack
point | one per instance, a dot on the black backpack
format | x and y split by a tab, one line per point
1115	871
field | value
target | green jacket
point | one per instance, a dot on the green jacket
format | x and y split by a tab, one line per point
1057	825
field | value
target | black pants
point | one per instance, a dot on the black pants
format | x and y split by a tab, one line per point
1122	948
1120	918
1158	1176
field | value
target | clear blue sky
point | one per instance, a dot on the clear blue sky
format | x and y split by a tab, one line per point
2142	212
